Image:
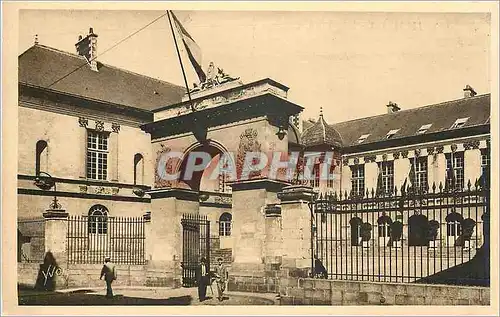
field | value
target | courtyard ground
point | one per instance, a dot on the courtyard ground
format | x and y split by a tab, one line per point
139	296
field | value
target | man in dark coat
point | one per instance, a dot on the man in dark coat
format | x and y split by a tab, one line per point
109	273
202	277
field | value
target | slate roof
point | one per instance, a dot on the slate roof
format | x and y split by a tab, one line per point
321	133
441	116
41	66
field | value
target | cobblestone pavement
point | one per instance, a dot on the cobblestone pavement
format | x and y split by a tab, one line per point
141	296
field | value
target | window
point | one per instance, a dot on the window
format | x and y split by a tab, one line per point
316	174
41	157
225	224
363	138
455	170
418	229
138	169
424	128
453	227
485	161
355	224
391	133
387	171
420	167
358	180
97	155
98	219
384	223
331	178
459	123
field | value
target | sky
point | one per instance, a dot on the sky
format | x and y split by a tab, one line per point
351	64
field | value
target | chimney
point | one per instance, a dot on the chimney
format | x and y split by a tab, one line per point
392	107
87	47
469	92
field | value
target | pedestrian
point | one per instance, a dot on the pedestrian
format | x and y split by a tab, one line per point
202	278
221	276
109	273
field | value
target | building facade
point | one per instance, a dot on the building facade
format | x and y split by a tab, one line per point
101	133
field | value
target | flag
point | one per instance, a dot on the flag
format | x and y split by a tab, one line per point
192	49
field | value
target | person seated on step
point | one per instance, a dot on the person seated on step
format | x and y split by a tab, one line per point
319	269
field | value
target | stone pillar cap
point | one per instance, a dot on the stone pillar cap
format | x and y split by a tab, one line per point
296	192
55	214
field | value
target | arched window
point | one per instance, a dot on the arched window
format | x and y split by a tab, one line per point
384	229
41	157
225	224
418	230
138	169
355	230
98	219
453	227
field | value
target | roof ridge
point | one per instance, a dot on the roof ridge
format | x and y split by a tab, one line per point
104	64
413	109
323	125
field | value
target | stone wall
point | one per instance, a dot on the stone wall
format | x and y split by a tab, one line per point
306	291
87	275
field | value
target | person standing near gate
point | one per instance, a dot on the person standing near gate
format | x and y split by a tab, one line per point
109	273
202	279
221	277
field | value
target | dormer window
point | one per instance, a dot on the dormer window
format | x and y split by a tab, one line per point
424	128
391	133
459	123
363	138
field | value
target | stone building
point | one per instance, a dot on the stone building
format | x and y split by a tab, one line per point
101	134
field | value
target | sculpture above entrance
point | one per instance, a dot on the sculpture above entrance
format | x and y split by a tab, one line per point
216	80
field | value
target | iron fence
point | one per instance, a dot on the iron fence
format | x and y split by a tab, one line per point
404	236
91	238
195	245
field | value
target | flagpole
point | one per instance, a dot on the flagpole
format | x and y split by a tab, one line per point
180	59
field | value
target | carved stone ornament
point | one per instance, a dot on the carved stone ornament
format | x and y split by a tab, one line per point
215	76
370	158
471	145
396	155
384	157
356	160
404	154
454	147
439	149
101	190
430	150
169	168
83	188
417	152
99	125
345	162
115	127
248	143
222	200
83	122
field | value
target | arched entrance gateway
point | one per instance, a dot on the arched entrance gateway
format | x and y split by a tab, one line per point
190	139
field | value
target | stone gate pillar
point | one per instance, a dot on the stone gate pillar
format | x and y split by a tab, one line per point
167	207
147	236
56	231
52	270
250	199
296	221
